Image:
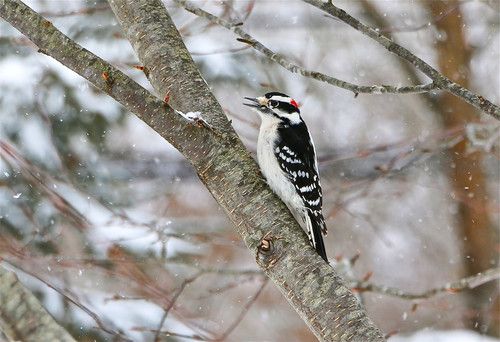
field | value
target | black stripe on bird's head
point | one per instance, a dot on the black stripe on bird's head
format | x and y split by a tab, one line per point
277	105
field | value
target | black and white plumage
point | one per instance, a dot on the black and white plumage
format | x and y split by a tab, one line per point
287	159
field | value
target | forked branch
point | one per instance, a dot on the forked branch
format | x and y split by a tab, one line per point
441	81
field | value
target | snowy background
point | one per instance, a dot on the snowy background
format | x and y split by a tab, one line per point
96	204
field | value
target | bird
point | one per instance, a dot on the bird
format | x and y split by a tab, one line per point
287	160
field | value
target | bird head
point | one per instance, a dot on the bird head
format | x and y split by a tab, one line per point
277	106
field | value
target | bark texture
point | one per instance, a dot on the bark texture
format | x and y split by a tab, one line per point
22	317
280	247
466	170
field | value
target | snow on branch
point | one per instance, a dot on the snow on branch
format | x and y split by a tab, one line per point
194	117
483	136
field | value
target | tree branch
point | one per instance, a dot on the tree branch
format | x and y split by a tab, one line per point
285	63
452	287
441	81
311	286
243	312
22	317
173	300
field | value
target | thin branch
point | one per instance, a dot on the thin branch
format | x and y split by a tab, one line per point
194	337
439	80
243	312
173	300
443	137
41	180
228	331
84	10
287	64
221	51
413	28
452	287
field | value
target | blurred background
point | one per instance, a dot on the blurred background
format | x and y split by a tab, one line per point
110	227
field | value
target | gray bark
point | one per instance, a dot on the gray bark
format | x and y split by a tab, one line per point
22	317
280	247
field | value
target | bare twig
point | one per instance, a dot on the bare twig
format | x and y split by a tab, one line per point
284	62
452	287
445	138
221	51
413	28
194	337
228	331
84	10
42	181
439	80
243	312
173	300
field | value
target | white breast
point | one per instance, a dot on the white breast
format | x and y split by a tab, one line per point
276	178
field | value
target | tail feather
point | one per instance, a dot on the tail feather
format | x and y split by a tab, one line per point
316	237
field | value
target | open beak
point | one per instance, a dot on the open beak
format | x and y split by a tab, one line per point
255	102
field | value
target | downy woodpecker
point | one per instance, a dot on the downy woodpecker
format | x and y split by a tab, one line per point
287	159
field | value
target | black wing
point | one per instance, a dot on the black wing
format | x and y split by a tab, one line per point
297	158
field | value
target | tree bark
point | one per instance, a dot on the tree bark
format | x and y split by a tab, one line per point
466	169
311	286
22	317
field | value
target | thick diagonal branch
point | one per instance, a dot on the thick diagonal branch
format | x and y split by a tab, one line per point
310	285
22	317
439	79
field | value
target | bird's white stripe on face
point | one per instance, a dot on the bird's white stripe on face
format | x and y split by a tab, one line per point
280	98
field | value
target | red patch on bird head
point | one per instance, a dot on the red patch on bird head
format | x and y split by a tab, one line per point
293	103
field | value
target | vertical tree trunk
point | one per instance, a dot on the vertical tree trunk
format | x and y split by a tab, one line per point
465	169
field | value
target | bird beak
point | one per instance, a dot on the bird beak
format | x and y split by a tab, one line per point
256	102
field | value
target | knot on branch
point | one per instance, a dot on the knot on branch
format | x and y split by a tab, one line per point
108	80
268	251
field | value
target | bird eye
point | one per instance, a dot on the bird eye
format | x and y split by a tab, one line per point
273	103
